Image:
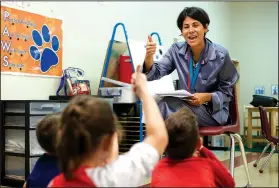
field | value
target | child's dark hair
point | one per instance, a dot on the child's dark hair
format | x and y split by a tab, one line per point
183	134
47	130
195	13
84	123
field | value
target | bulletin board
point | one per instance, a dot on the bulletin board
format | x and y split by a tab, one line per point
31	44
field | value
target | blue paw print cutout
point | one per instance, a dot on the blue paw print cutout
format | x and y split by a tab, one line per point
46	56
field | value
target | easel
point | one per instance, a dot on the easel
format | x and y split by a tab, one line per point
106	65
158	36
110	50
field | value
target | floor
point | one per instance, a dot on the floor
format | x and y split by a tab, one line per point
269	178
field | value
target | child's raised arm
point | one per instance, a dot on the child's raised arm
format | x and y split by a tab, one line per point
133	168
156	133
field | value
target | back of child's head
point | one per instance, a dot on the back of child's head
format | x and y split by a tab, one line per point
183	134
46	132
85	122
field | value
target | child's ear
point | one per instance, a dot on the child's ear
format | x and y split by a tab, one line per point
199	144
106	142
113	148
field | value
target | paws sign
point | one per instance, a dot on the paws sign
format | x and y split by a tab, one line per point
31	44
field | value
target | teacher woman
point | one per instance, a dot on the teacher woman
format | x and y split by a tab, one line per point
204	69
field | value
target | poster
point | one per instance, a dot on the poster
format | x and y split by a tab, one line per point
274	90
31	44
259	90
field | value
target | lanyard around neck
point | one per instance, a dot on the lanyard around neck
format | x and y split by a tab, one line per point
193	74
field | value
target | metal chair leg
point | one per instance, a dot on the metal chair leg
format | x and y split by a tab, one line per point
268	158
259	158
232	154
243	154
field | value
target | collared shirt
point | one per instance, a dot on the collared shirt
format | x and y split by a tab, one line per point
129	170
217	75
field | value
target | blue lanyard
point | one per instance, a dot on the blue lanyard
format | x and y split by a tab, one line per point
194	74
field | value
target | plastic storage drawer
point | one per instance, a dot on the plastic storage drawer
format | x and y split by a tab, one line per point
16	165
44	107
20	121
17	107
15	142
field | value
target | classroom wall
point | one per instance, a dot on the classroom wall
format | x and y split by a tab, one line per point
254	43
87	29
249	30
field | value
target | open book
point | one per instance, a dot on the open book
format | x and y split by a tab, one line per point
182	94
178	93
161	88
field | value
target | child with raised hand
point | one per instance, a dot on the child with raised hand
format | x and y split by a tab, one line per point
187	162
47	166
88	147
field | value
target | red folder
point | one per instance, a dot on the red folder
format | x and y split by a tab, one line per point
125	69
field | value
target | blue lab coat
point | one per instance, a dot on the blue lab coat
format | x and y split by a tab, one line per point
217	75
